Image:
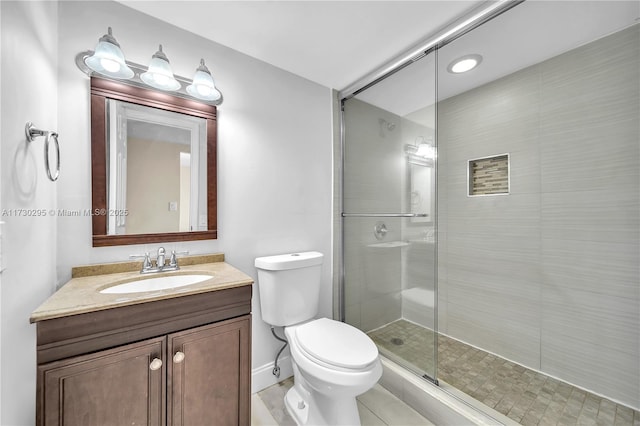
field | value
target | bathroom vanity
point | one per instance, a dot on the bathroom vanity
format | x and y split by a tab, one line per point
178	356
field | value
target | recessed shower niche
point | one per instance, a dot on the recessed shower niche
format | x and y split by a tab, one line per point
489	175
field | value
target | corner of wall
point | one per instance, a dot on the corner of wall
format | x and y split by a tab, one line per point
336	205
1	263
29	85
262	376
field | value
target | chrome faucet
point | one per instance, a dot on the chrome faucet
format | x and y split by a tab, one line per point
161	261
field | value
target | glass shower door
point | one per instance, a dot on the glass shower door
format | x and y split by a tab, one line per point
388	218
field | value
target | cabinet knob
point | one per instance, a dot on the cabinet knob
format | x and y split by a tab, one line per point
178	357
155	364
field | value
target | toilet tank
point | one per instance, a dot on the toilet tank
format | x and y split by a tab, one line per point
289	287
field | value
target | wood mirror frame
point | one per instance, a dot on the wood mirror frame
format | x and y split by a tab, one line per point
101	90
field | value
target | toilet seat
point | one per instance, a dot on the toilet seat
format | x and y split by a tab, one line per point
336	345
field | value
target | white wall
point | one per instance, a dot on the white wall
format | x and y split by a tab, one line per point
274	166
1	227
274	150
29	93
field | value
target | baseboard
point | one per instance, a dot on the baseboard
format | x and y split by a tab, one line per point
262	377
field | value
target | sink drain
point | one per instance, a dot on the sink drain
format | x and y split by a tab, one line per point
397	341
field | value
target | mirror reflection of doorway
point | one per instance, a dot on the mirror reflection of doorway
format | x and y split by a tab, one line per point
156	170
185	191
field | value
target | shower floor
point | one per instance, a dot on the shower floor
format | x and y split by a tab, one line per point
526	396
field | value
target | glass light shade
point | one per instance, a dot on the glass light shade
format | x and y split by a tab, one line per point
159	73
108	59
425	150
203	86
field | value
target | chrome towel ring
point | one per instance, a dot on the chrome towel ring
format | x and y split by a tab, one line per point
31	132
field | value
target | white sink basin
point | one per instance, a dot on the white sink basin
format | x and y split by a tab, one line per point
156	283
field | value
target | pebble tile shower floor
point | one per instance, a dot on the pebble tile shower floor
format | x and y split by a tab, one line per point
526	396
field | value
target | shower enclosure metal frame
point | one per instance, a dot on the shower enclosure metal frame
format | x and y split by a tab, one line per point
484	13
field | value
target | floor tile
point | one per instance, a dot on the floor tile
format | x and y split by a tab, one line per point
377	407
260	415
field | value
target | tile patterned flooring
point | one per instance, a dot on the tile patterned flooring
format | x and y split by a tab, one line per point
526	396
377	407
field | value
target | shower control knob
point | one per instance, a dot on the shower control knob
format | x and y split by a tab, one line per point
380	230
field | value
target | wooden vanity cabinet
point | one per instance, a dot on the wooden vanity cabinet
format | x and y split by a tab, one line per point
207	380
197	371
111	387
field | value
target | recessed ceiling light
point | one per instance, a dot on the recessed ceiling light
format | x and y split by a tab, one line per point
464	63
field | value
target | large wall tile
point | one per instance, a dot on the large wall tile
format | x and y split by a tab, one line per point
606	268
591	339
549	275
599	215
373	182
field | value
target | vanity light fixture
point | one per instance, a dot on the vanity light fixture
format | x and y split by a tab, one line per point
159	73
421	152
421	148
203	86
425	150
108	61
464	63
108	58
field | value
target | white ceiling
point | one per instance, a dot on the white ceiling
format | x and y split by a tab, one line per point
525	35
333	43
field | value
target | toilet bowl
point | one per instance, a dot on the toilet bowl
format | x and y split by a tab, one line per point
333	362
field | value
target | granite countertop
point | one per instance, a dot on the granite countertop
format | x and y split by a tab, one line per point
82	293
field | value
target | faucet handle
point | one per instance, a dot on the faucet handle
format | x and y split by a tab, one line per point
173	262
146	264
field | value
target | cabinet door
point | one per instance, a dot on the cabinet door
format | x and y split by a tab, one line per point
120	386
209	379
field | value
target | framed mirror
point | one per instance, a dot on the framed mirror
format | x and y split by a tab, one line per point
153	166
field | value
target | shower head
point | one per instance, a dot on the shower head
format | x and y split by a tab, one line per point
385	125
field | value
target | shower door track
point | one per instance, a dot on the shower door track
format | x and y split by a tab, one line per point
485	12
385	215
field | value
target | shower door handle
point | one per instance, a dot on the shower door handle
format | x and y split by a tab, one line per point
385	215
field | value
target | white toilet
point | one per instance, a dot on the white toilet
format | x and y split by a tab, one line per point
333	362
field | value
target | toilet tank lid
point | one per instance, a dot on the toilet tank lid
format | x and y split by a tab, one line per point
289	261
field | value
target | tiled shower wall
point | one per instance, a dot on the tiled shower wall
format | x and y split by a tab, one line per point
372	184
376	181
548	276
